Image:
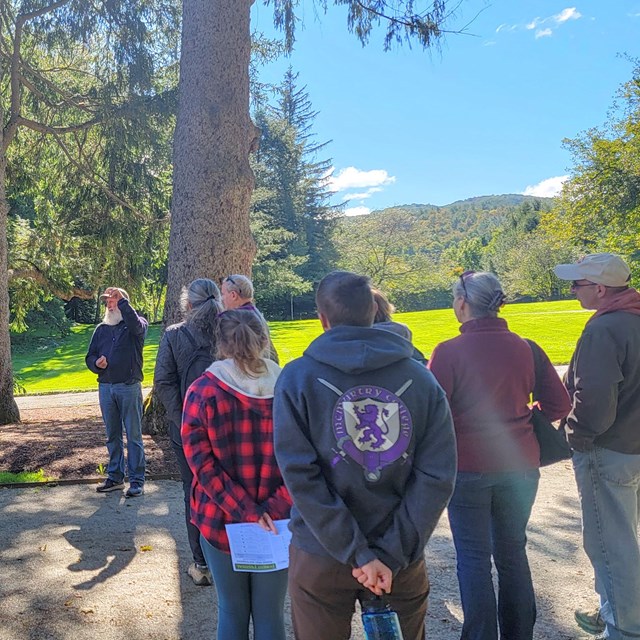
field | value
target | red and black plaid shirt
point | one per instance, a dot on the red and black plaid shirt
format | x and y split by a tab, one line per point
228	442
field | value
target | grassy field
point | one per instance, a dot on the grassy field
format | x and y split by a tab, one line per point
48	365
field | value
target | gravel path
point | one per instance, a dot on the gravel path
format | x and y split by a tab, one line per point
77	565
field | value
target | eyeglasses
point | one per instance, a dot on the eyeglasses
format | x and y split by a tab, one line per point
462	277
576	285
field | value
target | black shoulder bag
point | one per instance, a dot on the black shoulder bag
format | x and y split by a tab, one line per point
553	442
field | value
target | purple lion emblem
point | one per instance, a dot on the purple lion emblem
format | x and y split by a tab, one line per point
368	424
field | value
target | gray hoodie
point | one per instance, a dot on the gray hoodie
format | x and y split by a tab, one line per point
365	443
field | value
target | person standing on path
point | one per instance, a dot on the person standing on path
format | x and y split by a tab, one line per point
603	427
185	351
115	354
227	432
365	443
489	374
237	293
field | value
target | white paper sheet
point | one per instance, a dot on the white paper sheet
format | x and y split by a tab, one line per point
253	549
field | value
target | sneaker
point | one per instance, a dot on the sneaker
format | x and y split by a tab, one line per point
199	574
590	621
109	485
602	636
134	490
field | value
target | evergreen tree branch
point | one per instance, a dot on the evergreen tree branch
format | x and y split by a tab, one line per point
33	272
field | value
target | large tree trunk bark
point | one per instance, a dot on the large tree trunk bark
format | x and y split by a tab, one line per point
8	408
212	179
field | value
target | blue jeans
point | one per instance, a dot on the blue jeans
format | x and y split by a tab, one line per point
241	596
609	487
121	407
488	514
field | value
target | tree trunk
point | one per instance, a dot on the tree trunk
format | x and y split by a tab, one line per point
8	408
212	179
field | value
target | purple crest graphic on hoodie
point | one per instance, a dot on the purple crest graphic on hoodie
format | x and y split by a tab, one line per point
373	427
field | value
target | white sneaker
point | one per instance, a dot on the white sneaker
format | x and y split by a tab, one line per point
200	575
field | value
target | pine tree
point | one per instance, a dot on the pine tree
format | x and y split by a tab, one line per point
292	192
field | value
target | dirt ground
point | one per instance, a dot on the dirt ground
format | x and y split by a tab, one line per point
76	564
68	442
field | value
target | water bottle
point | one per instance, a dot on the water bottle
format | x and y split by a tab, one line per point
380	622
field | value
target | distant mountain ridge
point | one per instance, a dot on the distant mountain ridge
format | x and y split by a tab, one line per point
477	202
473	217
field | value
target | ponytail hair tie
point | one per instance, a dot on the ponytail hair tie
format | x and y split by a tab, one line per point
497	301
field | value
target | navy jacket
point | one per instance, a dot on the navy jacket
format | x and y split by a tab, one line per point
122	345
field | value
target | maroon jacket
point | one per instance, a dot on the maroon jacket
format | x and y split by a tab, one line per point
488	375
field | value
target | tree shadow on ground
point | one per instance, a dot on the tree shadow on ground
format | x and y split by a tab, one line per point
70	445
77	564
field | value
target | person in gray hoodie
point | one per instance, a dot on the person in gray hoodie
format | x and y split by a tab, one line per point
364	441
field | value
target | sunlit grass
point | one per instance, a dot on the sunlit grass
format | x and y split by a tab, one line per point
6	477
58	364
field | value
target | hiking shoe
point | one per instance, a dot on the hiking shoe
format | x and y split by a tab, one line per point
590	621
199	574
134	490
109	485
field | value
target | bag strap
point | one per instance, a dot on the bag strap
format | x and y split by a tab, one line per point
190	337
537	364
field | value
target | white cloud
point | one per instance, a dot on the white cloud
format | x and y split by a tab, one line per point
543	33
544	26
352	178
571	13
548	188
357	211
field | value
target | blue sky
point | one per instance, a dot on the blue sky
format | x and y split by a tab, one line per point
484	115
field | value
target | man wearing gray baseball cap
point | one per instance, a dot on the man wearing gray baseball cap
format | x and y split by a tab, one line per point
604	430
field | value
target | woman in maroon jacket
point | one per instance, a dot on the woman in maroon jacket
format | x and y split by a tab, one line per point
227	433
488	373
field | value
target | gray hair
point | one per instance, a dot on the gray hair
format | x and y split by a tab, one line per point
200	303
482	291
241	285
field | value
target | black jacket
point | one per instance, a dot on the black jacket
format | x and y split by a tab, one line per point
122	345
173	356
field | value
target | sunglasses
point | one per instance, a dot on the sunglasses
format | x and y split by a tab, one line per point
230	279
576	285
462	277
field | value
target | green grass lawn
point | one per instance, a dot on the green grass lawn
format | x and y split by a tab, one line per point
48	365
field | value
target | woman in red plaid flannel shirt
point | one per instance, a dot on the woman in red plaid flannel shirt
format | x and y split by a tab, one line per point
227	433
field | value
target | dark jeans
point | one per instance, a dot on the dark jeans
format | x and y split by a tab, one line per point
245	596
323	594
488	514
187	477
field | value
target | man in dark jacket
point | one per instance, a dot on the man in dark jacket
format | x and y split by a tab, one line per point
364	440
115	354
604	382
